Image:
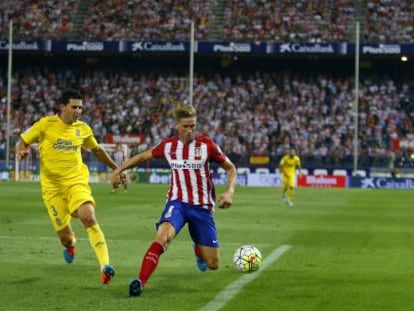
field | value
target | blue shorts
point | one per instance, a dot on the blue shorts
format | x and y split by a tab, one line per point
201	225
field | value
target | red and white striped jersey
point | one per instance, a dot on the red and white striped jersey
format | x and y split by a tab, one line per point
191	180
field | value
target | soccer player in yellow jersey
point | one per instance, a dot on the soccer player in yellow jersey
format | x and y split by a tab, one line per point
65	178
288	166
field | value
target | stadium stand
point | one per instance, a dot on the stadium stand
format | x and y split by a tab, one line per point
235	20
288	21
147	20
38	19
264	112
261	113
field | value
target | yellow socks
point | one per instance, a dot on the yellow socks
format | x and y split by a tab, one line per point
98	243
290	193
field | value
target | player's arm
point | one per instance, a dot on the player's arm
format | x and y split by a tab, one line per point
22	150
104	157
299	167
131	162
226	199
282	168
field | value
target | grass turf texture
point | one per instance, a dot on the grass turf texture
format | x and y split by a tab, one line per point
351	250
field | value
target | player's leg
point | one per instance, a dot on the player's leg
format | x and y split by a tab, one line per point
67	238
86	214
291	183
203	232
55	203
165	234
126	181
285	186
169	225
201	264
211	256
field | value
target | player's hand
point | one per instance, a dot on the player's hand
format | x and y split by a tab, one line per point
21	154
123	179
225	200
116	178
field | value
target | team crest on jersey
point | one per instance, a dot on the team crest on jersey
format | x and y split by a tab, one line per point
197	153
77	132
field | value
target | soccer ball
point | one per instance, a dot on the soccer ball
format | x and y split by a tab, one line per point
247	258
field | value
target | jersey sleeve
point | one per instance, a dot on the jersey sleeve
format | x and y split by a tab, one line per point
215	153
32	134
282	161
158	150
90	140
298	162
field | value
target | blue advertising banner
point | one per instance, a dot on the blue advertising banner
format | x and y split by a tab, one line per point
27	45
157	46
381	49
232	47
208	47
381	183
85	46
308	48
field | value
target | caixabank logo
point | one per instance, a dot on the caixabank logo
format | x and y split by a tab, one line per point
382	183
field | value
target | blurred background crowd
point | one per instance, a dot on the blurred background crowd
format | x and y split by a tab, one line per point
247	111
237	20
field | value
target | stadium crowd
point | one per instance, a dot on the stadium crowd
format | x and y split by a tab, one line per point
253	20
389	21
288	21
37	19
247	114
148	20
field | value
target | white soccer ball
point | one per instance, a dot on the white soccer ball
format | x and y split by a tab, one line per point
247	258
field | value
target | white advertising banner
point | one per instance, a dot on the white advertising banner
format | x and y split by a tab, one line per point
264	180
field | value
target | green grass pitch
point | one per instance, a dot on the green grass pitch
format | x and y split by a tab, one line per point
350	250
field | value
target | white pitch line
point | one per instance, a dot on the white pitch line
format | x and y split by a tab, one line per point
234	288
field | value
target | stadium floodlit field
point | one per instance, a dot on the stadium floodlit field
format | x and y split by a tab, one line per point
334	250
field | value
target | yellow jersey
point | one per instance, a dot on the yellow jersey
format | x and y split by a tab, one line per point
289	164
60	147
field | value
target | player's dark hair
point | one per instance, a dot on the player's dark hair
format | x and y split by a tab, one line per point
185	111
69	94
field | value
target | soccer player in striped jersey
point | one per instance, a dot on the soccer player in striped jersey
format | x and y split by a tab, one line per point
64	177
191	197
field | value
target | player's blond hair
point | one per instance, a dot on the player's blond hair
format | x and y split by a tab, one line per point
185	111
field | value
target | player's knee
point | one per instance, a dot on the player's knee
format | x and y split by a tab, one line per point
86	215
88	221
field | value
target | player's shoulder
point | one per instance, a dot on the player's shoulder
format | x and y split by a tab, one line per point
284	157
170	139
164	141
81	123
49	119
47	122
204	139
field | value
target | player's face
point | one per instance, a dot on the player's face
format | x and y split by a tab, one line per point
72	111
186	129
